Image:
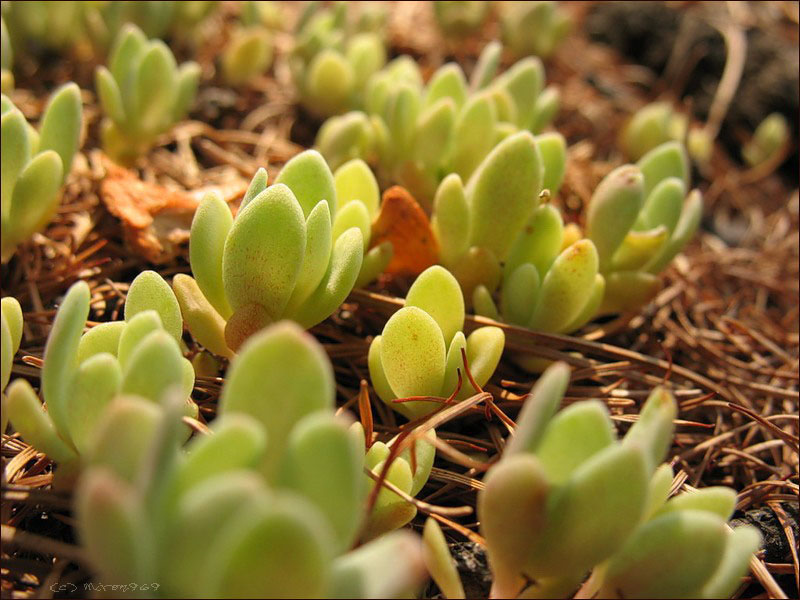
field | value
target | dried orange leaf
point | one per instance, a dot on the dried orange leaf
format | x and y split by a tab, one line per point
402	222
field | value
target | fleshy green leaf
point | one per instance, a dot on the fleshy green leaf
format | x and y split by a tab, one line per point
156	89
33	423
281	375
113	527
574	543
447	82
413	353
503	192
101	338
440	563
689	543
486	67
124	436
450	220
388	567
437	292
238	442
324	464
354	181
613	210
35	198
390	510
210	226
153	367
573	436
472	135
205	323
16	154
566	287
97	381
539	408
741	544
654	428
134	331
513	511
663	205
60	129
519	294
61	353
149	291
264	251
686	227
339	279
717	500
524	81
539	242
553	148
667	160
280	549
310	179
352	214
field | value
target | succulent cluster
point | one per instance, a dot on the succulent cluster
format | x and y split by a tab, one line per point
568	497
417	134
639	218
294	251
459	18
70	24
771	135
658	123
531	28
249	51
554	280
83	373
143	93
419	353
276	489
333	58
284	495
35	164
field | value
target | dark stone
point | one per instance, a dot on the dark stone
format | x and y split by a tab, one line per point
776	546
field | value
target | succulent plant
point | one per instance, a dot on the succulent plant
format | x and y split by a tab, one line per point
390	511
143	93
769	137
439	562
103	21
546	285
567	497
418	134
47	25
477	224
658	123
83	372
276	491
420	350
6	60
11	337
333	59
533	27
550	279
459	18
639	218
294	251
248	53
36	163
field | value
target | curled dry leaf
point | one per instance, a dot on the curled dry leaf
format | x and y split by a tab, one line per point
155	220
402	222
